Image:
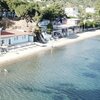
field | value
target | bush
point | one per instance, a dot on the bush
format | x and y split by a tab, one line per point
89	24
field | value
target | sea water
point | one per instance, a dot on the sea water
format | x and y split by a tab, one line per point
71	72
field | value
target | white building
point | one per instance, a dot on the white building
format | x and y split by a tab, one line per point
73	22
90	10
13	39
71	11
68	28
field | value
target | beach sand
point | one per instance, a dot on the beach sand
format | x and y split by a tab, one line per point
18	54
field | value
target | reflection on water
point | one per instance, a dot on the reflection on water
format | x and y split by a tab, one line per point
71	72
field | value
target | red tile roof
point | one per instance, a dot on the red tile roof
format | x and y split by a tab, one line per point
6	33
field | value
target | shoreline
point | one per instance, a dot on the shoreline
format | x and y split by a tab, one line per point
17	55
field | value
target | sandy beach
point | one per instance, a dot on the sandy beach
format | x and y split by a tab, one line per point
17	54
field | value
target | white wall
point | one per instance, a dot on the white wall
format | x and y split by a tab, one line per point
31	38
5	41
90	10
71	11
17	39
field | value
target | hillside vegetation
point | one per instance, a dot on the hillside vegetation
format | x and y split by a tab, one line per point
36	10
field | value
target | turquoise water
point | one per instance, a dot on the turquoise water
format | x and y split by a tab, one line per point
71	72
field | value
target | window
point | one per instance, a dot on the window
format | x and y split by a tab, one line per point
24	36
16	38
2	42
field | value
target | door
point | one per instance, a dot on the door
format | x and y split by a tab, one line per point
9	41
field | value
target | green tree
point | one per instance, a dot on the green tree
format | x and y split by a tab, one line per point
97	14
12	4
3	5
52	11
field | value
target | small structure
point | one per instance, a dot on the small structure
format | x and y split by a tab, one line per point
43	23
9	39
60	30
90	10
70	27
71	11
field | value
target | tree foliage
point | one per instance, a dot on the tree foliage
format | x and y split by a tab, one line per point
49	9
12	4
24	9
51	12
3	5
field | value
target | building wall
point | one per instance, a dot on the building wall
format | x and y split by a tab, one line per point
16	39
19	39
73	22
5	41
31	38
71	11
89	10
